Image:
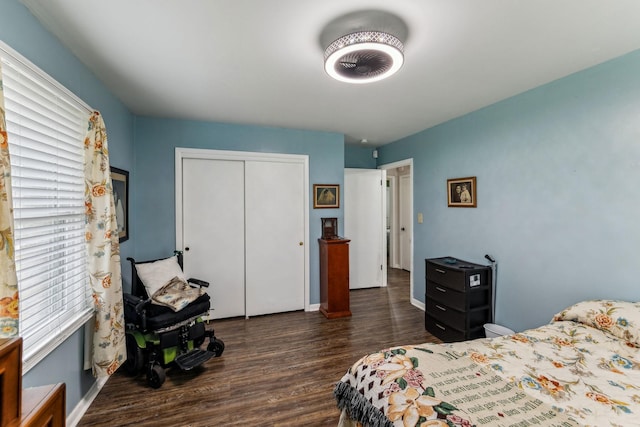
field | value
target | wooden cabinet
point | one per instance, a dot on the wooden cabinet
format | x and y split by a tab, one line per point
334	278
458	298
43	406
10	381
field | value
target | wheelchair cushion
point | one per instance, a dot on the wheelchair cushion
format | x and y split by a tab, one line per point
154	275
161	317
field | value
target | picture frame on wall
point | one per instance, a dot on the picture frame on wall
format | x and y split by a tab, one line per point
462	192
120	183
326	196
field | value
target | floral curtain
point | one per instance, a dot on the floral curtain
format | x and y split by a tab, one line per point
8	281
103	249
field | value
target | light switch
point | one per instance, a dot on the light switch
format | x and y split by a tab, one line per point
420	218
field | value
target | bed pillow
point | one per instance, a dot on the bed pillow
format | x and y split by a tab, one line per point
619	318
155	275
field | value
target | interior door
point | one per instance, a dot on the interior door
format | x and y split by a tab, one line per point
213	231
405	222
275	237
365	225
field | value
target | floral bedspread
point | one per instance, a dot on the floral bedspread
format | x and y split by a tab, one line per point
581	369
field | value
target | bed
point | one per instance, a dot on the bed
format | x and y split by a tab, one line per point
583	368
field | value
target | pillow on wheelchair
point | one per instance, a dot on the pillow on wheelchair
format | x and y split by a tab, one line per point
154	275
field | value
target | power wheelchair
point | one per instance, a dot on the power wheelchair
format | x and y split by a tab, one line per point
158	337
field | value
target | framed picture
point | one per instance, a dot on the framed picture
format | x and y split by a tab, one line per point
326	196
462	192
120	182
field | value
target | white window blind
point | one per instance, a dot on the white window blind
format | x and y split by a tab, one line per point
46	126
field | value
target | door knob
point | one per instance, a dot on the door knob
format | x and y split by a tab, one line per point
301	243
187	249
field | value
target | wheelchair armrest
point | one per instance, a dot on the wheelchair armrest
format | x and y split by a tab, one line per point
136	302
198	282
139	305
131	300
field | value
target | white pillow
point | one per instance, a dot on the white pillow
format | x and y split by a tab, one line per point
155	275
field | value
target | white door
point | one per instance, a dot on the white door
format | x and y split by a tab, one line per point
405	222
392	222
365	225
275	238
213	231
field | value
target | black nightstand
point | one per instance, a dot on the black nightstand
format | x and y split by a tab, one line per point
458	299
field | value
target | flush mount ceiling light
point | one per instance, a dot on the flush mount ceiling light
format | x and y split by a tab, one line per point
364	57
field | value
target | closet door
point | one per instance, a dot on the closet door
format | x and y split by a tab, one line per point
275	237
213	230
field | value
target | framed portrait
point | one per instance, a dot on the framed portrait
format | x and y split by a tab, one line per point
326	196
462	192
120	182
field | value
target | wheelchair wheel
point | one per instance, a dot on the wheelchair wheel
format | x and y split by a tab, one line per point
156	376
135	356
216	346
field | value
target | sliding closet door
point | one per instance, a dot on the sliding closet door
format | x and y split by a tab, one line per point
213	230
275	236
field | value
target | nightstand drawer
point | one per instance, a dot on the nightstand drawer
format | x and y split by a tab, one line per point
443	331
454	279
446	314
448	296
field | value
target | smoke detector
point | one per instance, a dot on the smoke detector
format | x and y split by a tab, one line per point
364	57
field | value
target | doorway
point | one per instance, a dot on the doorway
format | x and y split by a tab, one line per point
400	218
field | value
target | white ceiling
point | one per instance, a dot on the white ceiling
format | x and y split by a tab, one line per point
260	62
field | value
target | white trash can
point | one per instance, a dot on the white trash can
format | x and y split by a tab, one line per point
491	330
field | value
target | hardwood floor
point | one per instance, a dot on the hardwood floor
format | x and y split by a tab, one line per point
276	370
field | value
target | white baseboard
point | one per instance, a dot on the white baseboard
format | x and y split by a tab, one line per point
76	415
414	302
417	303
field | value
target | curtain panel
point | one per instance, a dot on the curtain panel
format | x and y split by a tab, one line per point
103	250
9	315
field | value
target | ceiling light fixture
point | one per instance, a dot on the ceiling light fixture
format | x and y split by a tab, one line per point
364	57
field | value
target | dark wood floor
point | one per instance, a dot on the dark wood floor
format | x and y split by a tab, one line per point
277	370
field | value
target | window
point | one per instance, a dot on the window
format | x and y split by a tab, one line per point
46	126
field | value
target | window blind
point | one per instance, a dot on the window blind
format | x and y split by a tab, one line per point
46	125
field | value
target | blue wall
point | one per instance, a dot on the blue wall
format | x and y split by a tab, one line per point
557	170
154	187
358	157
20	30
